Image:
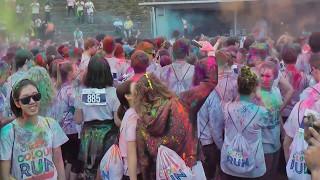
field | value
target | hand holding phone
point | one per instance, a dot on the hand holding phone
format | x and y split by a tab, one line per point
311	120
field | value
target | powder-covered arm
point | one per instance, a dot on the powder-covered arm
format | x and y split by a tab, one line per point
194	98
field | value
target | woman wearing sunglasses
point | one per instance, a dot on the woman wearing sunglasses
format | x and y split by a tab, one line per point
30	145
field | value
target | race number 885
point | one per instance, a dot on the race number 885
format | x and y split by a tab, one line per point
93	98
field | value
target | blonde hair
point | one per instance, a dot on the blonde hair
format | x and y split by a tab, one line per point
151	93
63	68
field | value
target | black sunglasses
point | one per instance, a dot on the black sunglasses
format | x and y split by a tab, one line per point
26	100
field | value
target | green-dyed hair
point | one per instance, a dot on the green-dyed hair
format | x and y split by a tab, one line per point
247	81
42	79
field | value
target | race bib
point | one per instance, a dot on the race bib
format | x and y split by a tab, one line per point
91	97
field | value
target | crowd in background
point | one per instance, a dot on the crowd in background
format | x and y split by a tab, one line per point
230	107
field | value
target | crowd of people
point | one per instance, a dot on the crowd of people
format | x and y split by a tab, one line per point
231	108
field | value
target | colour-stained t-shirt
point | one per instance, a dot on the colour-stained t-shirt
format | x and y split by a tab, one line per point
310	92
179	71
299	81
303	64
127	134
291	126
227	87
2	104
210	121
118	68
271	134
89	6
98	112
63	108
30	148
80	6
85	59
155	68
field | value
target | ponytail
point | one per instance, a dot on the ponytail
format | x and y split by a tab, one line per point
63	68
59	78
122	90
121	111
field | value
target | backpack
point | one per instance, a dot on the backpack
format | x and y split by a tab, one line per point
238	156
178	87
296	165
111	165
171	166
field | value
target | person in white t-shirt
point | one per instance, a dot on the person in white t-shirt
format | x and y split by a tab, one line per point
35	9
47	9
30	145
91	46
90	9
247	119
313	91
179	74
70	6
118	66
96	106
19	11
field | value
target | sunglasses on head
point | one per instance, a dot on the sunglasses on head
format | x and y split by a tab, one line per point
26	100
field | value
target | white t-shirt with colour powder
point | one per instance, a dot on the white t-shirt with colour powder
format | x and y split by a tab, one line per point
98	112
30	148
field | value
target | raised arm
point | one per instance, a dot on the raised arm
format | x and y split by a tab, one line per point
194	98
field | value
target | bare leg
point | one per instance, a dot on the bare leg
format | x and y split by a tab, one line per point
68	170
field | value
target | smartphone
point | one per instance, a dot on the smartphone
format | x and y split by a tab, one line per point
197	43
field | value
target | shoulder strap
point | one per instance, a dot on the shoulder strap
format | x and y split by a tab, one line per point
247	124
48	123
175	73
183	75
204	128
14	138
225	88
316	90
186	73
299	114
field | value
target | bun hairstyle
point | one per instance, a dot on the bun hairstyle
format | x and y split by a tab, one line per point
247	81
122	90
